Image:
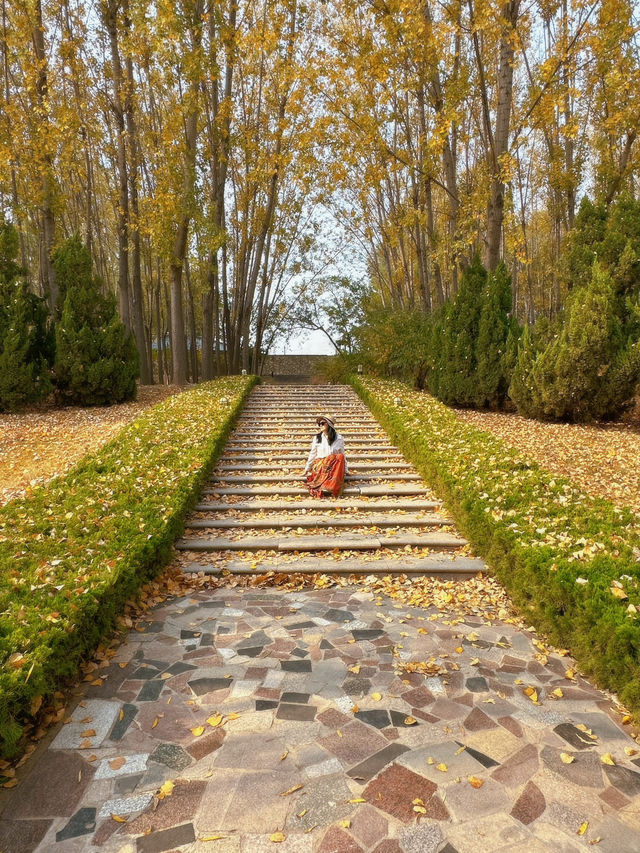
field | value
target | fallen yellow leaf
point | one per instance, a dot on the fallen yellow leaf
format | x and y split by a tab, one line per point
566	758
357	800
197	731
583	828
376	696
291	790
607	758
277	837
118	819
214	720
442	767
345	824
475	782
206	838
166	790
410	721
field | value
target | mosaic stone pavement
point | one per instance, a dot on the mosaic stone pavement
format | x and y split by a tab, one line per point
327	739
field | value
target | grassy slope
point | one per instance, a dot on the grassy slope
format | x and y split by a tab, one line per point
74	551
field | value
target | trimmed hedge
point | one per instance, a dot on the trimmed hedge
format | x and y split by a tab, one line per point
541	536
73	552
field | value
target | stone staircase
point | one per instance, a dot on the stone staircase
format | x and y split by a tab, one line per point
256	514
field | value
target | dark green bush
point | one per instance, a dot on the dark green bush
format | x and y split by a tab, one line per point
96	359
491	347
538	533
77	549
24	375
589	370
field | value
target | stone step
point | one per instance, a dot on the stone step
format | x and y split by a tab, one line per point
317	521
354	457
297	478
290	490
362	466
294	506
442	566
440	541
290	441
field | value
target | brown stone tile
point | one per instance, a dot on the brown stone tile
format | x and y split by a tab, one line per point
53	788
104	832
478	721
389	845
465	699
394	790
369	826
519	768
358	742
614	798
336	840
206	745
22	836
333	719
390	733
511	725
529	805
180	807
418	697
266	693
421	715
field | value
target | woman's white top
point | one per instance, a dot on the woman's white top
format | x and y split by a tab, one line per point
322	449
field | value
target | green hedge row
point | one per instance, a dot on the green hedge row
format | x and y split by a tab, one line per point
76	550
567	559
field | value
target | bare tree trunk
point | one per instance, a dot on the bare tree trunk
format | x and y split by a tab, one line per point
110	11
193	349
498	136
47	271
137	298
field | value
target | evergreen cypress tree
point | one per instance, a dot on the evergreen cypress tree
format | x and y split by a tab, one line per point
458	375
589	369
521	388
493	328
514	335
23	336
96	358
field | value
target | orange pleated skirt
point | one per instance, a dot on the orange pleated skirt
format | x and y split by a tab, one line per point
326	476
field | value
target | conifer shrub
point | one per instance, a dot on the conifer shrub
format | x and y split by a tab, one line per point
590	368
96	361
491	347
24	375
458	356
74	551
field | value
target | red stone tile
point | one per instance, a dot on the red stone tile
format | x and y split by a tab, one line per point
178	808
390	733
333	719
338	841
519	768
358	742
53	788
369	826
395	788
389	845
465	699
421	715
266	693
478	721
529	805
256	673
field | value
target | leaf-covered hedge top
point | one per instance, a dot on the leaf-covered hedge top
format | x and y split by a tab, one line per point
537	509
68	538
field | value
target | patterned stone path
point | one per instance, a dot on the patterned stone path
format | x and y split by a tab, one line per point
328	737
256	512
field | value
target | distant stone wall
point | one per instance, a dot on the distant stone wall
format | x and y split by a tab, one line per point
292	365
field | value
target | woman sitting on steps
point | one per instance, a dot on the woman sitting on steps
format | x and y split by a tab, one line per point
326	465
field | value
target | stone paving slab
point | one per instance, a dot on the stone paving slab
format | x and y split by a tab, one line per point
292	712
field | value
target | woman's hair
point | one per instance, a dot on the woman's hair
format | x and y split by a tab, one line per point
331	435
